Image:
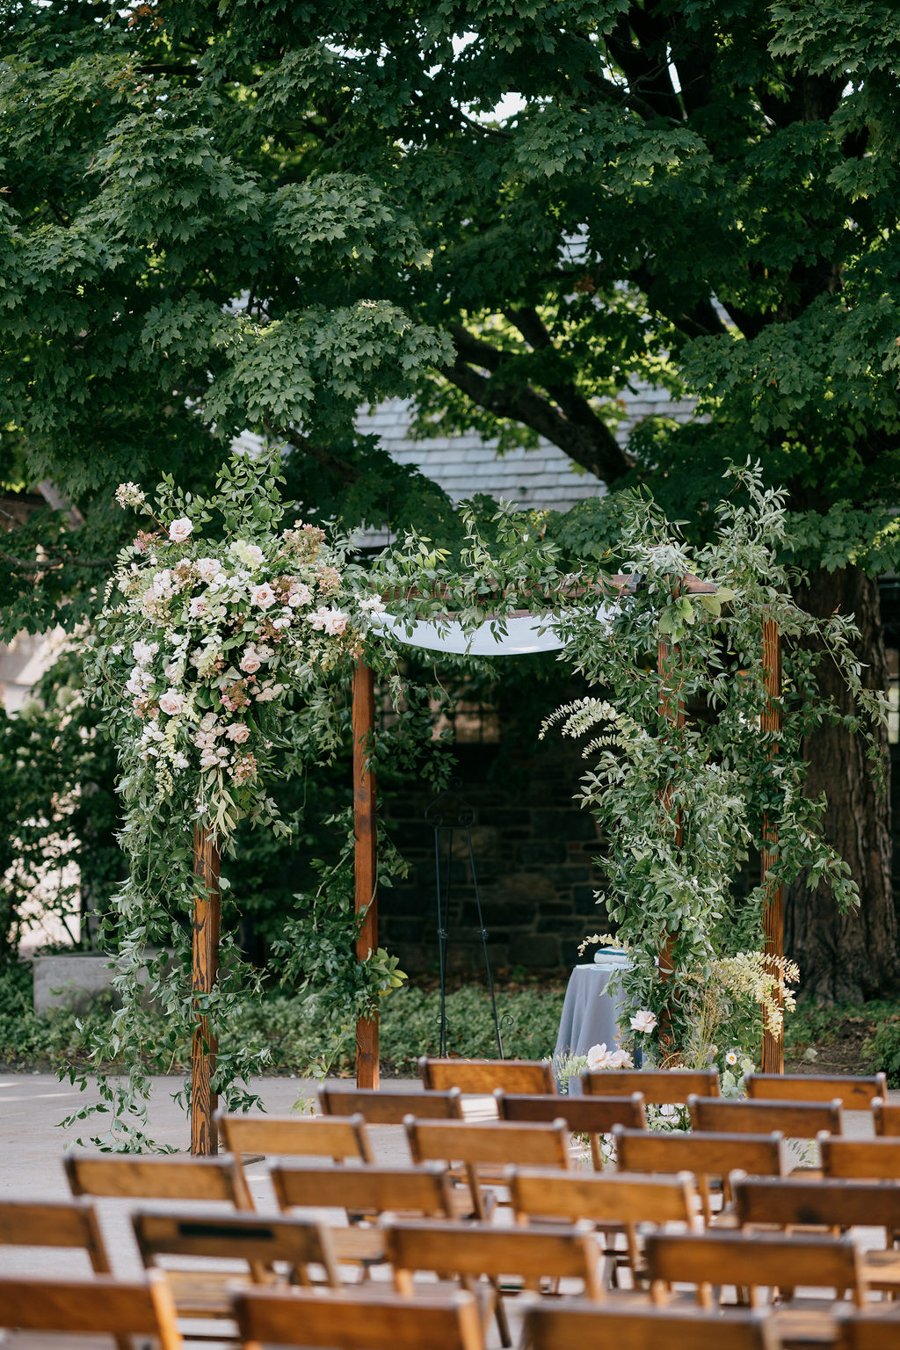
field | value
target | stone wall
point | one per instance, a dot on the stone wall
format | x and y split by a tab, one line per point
533	848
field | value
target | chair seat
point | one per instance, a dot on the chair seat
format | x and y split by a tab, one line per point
797	1328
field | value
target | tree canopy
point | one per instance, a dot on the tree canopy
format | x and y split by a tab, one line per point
229	214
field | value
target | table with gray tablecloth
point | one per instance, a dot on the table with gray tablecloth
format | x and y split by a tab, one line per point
590	1014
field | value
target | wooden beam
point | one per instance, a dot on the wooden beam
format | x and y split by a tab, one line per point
205	970
773	908
365	836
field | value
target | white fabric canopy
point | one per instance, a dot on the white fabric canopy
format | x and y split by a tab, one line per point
524	634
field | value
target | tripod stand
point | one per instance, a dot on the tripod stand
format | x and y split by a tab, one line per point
448	815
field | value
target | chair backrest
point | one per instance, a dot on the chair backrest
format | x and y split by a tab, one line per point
711	1157
579	1325
157	1178
593	1116
795	1120
297	1136
54	1223
886	1117
754	1262
536	1193
469	1250
874	1158
872	1329
258	1240
854	1094
810	1201
659	1087
388	1106
99	1306
358	1322
611	1198
484	1075
413	1190
496	1143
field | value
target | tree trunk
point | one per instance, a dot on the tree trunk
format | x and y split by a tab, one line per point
847	957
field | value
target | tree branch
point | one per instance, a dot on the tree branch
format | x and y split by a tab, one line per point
575	429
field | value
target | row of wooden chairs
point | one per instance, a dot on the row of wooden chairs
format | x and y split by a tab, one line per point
659	1087
300	1317
365	1321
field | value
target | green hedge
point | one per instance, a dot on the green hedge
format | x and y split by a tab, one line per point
294	1032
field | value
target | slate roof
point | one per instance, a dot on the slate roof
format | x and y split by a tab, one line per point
544	477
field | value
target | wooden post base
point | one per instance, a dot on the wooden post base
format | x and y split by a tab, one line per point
205	969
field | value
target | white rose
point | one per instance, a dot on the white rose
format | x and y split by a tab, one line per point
598	1057
250	662
263	596
144	652
300	595
238	732
180	760
373	603
180	530
643	1021
336	623
207	567
172	702
198	607
251	555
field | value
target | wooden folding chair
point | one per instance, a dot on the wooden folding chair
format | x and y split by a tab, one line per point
389	1106
802	1202
157	1178
357	1321
659	1087
795	1120
361	1194
580	1326
475	1253
610	1202
297	1137
710	1157
713	1261
886	1118
58	1224
593	1116
99	1306
69	1224
484	1075
872	1329
245	1246
875	1159
484	1150
854	1094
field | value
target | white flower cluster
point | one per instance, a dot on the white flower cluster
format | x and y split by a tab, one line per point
129	494
599	1057
213	632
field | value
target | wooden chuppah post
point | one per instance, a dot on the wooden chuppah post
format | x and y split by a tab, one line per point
365	836
773	909
205	969
671	707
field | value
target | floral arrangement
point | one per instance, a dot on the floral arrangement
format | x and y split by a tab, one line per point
209	632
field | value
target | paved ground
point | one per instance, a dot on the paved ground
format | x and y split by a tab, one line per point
32	1145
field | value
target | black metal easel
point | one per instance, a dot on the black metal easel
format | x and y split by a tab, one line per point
447	815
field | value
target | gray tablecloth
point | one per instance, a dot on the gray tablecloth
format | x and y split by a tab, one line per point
590	1012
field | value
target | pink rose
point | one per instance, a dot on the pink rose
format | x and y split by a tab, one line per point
172	702
238	732
643	1021
263	596
180	530
250	662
